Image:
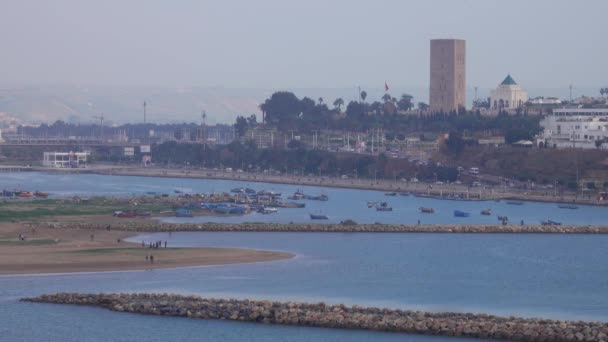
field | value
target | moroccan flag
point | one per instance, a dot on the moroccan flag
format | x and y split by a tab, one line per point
385	86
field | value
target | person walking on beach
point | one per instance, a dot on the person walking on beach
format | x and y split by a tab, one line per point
165	243
151	259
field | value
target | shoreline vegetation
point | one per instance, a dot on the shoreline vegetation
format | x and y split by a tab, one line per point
340	316
29	250
443	191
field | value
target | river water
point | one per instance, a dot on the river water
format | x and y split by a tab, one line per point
343	203
554	276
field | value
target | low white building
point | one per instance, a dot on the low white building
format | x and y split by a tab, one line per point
508	96
65	159
575	128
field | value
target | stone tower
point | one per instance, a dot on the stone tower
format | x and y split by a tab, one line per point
448	75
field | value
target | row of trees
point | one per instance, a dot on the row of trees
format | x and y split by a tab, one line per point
285	111
247	156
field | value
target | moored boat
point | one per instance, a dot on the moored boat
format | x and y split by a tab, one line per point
25	194
426	210
268	210
458	213
390	194
567	206
486	212
318	217
41	194
381	208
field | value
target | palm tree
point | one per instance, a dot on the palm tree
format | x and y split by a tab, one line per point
363	95
263	108
386	97
338	103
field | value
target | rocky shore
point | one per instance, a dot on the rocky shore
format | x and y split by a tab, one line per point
342	317
154	226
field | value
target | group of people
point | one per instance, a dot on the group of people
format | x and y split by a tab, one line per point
155	245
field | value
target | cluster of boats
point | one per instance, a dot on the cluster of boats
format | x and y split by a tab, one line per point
23	193
380	206
299	195
268	202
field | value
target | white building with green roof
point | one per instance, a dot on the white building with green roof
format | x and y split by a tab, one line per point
508	96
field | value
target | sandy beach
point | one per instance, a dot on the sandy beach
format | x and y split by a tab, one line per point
82	250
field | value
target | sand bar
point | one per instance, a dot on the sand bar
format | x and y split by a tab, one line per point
87	250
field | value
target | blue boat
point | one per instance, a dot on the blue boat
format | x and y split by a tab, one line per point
567	206
183	213
459	213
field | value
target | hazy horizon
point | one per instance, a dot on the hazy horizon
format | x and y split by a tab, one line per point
285	44
75	59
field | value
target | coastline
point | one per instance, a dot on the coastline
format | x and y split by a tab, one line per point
65	250
438	191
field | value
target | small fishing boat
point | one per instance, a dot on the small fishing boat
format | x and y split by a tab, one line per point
425	210
249	191
502	218
41	194
178	191
25	194
515	202
268	210
458	213
390	194
567	206
376	204
381	208
486	212
238	190
318	217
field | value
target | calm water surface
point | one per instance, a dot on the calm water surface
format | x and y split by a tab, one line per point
527	275
343	203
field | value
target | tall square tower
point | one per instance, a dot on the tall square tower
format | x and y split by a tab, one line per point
448	75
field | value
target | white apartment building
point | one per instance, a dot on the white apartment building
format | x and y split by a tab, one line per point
575	128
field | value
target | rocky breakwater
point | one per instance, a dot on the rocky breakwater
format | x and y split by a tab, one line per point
154	226
340	316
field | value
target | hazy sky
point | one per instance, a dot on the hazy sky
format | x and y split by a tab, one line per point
306	43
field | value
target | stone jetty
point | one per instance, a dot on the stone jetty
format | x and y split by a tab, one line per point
149	226
341	316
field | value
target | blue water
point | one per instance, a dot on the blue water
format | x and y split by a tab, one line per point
553	276
343	203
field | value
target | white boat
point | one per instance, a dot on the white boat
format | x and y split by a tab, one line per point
268	210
